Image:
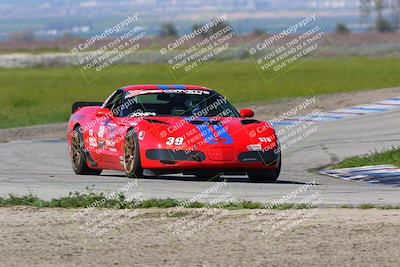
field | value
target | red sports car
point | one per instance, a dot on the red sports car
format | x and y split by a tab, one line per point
164	129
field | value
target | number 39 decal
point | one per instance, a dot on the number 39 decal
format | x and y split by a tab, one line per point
174	141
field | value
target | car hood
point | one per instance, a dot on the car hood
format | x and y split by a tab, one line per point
203	131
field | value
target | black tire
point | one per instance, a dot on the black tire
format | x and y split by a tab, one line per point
265	176
79	159
132	165
207	175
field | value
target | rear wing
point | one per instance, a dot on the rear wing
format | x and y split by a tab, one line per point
78	105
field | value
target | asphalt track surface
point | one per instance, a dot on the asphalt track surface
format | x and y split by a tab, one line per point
43	169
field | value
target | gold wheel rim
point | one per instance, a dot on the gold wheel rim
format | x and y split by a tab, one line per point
129	154
76	151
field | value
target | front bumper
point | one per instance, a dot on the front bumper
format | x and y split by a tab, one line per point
221	160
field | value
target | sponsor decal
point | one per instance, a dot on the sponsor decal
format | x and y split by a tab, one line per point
141	135
265	139
92	142
142	114
254	147
134	93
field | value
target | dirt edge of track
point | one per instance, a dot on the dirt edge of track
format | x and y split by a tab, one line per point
328	237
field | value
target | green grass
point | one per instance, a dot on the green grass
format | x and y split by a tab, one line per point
34	51
44	95
78	200
391	157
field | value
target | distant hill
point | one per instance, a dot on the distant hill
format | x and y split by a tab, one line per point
53	18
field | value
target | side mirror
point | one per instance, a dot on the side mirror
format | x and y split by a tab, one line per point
101	112
246	113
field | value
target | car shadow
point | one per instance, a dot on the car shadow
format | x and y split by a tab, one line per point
189	178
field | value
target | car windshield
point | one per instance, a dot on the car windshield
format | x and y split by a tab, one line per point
180	104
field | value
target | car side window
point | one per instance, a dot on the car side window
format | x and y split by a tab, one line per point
114	103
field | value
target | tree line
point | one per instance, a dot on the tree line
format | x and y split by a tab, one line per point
379	15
